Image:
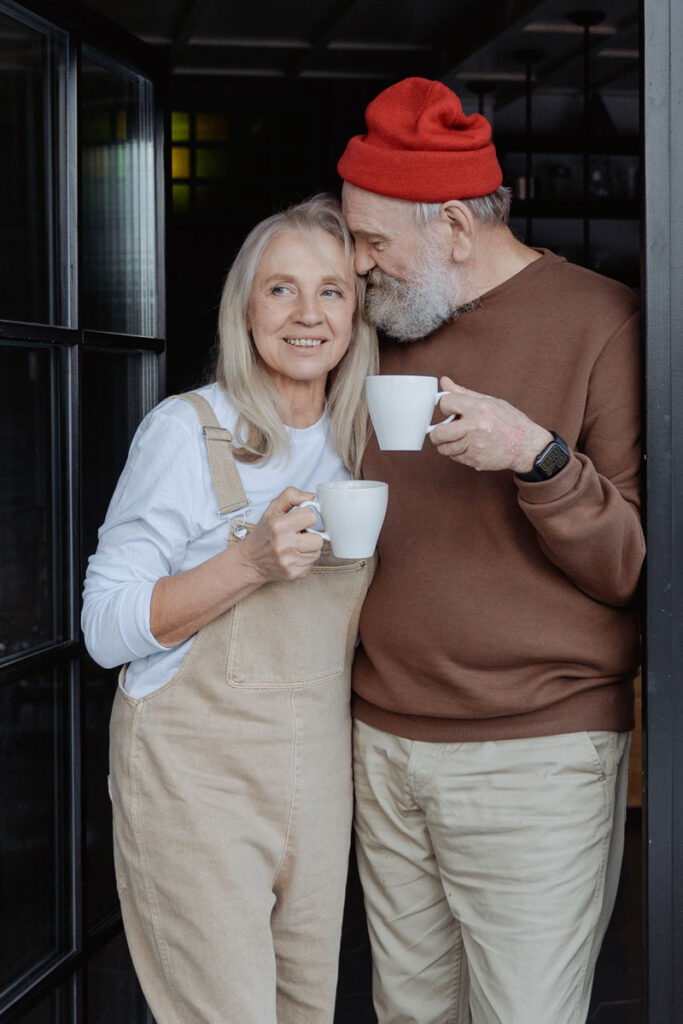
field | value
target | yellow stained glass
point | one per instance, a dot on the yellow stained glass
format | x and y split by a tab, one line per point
180	162
181	198
211	163
211	127
180	126
121	126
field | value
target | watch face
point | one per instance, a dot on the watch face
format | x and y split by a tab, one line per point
554	459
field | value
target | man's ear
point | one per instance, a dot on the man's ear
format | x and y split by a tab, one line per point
462	225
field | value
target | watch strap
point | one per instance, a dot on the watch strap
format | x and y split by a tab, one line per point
549	462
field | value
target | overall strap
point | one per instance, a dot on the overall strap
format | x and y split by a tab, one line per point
226	479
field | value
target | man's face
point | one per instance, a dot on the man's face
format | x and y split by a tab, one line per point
412	282
383	229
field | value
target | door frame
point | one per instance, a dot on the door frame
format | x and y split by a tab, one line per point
662	134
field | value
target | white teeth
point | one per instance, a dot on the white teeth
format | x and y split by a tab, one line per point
304	342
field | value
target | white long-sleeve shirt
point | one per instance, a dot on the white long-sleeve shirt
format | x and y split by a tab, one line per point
162	520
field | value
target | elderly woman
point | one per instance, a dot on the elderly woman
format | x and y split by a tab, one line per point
230	733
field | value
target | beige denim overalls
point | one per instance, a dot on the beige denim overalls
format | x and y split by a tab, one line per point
231	787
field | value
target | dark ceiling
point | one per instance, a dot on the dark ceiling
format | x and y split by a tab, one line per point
474	43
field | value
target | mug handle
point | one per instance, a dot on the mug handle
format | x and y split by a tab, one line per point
440	395
310	529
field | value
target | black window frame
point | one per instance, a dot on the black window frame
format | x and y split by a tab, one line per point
65	978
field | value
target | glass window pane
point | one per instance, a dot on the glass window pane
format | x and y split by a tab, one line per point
57	1008
211	163
114	995
34	811
119	271
211	127
108	426
181	198
121	387
180	126
32	170
30	524
180	162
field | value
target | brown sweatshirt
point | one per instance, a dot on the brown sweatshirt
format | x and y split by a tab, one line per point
503	608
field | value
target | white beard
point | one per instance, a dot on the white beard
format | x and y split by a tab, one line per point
408	310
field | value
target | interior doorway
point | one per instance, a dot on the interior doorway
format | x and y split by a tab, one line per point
258	109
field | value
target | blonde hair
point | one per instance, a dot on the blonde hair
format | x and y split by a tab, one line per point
259	432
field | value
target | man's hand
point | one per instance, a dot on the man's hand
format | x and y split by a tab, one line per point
487	433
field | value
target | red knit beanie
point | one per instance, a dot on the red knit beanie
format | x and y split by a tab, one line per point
420	146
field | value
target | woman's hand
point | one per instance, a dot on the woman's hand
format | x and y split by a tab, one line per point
278	548
275	549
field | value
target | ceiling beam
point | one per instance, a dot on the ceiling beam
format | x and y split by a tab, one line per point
194	10
323	34
104	33
547	69
461	36
388	63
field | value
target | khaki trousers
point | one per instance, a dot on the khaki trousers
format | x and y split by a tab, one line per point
489	873
231	788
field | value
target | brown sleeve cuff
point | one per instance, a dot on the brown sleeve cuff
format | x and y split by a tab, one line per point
544	491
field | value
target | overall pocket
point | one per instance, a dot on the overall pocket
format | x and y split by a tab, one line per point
294	634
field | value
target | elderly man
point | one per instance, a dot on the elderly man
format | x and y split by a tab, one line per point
493	688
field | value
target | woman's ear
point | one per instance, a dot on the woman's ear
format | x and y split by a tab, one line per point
462	226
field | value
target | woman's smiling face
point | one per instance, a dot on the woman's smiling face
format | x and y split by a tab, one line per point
301	310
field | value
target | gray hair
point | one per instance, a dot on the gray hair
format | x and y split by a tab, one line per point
490	210
259	431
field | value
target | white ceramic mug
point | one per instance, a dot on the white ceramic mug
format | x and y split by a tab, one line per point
401	408
352	512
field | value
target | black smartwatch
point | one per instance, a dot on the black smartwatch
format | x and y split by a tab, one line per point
551	460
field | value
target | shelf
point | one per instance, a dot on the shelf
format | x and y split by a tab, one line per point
598	209
619	145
